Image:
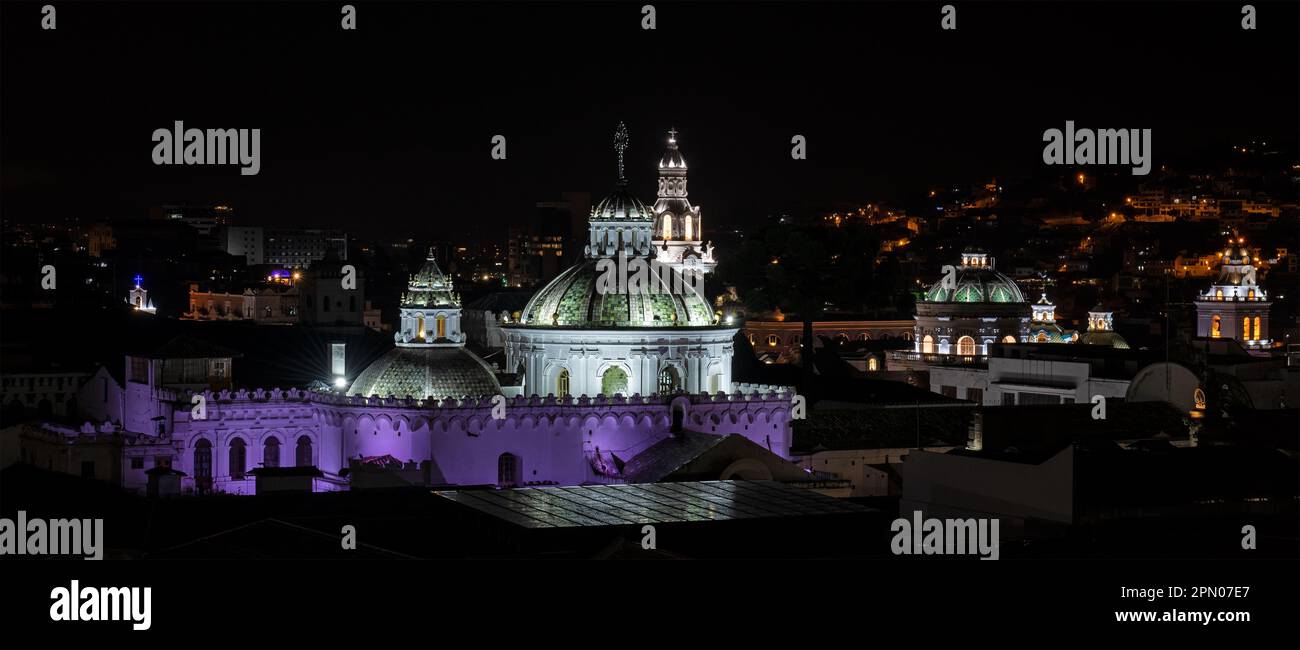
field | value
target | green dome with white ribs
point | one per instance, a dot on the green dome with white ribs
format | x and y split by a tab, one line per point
976	281
573	299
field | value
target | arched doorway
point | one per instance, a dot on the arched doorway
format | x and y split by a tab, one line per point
614	381
302	455
202	466
238	457
927	344
271	452
508	470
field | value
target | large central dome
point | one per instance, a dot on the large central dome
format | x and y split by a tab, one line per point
976	281
573	300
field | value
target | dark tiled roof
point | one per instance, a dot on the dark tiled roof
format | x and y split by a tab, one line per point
669	454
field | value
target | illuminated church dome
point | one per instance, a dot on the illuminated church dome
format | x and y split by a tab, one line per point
620	321
1101	329
430	360
976	281
964	312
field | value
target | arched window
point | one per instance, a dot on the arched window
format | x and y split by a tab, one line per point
966	346
202	466
238	458
271	452
1257	336
302	455
1245	328
562	384
507	470
1042	337
1008	339
614	381
863	336
1250	294
773	340
841	338
690	228
1215	325
1218	294
872	364
927	344
715	383
442	327
668	381
668	227
419	327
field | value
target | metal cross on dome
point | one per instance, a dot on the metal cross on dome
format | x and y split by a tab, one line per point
620	145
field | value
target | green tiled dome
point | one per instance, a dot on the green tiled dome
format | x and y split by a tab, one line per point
977	285
426	372
572	300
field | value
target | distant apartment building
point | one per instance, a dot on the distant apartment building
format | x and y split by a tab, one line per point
246	242
298	248
537	252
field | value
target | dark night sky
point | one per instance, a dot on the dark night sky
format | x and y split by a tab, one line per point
386	130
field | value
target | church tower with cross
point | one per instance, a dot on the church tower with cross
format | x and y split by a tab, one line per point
677	237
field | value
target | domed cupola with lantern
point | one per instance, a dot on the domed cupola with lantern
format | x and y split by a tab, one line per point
430	359
616	322
677	230
970	308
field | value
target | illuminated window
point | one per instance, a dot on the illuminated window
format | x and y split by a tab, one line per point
1245	328
614	381
1250	294
872	364
1257	336
690	228
773	340
1008	339
668	381
442	326
1218	294
1042	337
419	327
668	226
966	346
562	383
927	344
1215	325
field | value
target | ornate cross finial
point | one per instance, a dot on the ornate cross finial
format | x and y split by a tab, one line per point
672	135
620	145
138	280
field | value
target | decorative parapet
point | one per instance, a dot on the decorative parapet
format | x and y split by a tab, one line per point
755	393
